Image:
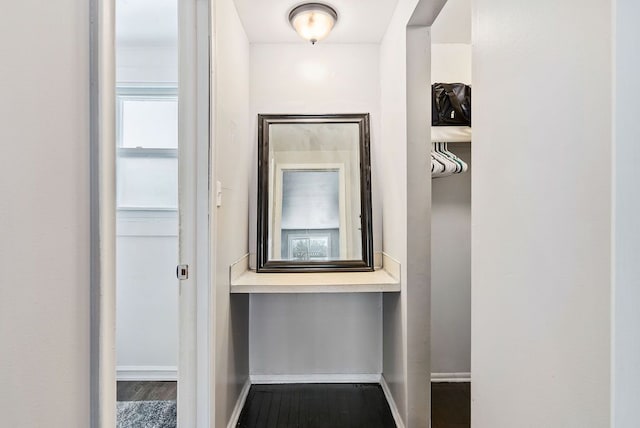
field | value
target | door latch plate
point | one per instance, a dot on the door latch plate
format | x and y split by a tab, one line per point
182	272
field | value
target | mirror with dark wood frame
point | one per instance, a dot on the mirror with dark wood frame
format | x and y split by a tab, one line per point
314	193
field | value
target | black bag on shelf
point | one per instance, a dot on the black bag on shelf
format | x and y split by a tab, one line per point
450	104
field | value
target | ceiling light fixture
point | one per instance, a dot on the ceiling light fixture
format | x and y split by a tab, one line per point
313	21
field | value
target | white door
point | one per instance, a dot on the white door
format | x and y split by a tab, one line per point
194	357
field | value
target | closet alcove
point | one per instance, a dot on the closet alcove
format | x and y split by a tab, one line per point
451	229
370	327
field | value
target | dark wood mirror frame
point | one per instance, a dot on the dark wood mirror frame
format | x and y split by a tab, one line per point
360	265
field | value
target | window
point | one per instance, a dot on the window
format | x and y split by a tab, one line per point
147	148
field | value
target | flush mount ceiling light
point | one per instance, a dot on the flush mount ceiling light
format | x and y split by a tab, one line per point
313	21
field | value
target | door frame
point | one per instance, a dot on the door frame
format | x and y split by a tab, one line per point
194	360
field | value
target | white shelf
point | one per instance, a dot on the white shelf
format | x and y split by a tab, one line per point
451	134
386	279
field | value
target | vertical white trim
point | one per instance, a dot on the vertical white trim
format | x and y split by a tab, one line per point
237	409
213	221
612	260
392	403
417	291
194	352
205	219
102	178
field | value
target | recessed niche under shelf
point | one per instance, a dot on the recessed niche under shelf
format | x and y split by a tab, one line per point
384	279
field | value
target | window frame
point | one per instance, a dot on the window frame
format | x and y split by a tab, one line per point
141	93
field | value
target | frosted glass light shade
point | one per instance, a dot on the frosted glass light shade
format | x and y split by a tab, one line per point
313	21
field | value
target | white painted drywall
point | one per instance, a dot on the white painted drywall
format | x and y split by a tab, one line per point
147	292
232	151
146	22
417	288
451	62
453	24
541	220
44	214
451	235
626	321
148	65
301	78
451	269
316	79
306	334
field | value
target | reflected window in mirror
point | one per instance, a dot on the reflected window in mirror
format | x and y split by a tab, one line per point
314	193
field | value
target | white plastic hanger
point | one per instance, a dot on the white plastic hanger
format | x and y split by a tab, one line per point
444	162
448	166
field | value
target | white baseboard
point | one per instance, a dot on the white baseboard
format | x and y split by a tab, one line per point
316	378
147	373
392	403
450	377
237	410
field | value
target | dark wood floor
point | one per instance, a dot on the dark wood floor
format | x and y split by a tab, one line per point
339	406
146	391
451	405
316	406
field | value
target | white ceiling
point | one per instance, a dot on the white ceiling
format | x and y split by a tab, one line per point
359	21
154	22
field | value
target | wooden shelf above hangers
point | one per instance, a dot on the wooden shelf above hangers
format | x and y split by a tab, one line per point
451	134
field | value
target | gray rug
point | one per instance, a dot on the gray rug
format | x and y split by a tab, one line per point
146	414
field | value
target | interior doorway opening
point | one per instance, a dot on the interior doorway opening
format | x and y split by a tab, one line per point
147	221
451	228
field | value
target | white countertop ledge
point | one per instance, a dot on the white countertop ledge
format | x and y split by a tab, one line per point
386	279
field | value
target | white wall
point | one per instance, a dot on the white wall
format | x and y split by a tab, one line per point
626	347
44	214
304	334
147	293
451	62
451	269
231	158
453	24
147	64
541	224
343	330
451	235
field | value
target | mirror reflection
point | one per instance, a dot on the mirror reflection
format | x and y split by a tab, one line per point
310	226
314	208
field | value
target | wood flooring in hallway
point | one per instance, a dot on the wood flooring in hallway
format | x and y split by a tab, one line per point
316	406
451	405
340	405
147	391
